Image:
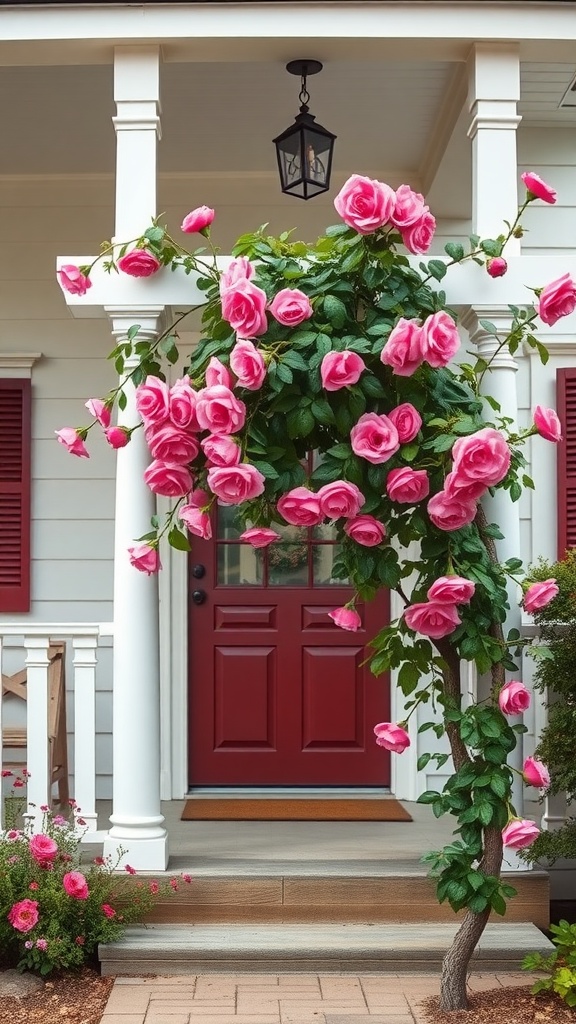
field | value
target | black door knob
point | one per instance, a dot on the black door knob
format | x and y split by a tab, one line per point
198	596
198	571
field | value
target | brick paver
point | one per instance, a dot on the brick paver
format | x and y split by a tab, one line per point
282	998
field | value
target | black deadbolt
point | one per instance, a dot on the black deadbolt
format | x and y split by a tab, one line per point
198	571
198	596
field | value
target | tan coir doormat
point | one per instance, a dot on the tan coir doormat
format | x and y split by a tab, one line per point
279	809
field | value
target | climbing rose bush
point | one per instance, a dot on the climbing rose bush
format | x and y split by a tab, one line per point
346	348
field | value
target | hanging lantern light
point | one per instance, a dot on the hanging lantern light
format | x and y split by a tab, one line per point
305	149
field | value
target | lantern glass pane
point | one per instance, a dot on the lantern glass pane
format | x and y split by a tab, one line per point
318	154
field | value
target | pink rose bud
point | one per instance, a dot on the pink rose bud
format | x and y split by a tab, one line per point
365	204
99	410
440	339
374	438
547	424
300	507
450	512
483	457
233	485
407	421
217	373
451	590
403	351
519	833
340	499
73	442
409	208
42	945
117	437
340	370
259	536
538	188
346	618
391	737
244	307
197	521
197	220
221	450
557	299
418	237
291	307
514	698
539	595
496	266
145	558
138	263
535	773
169	479
72	280
247	362
238	269
407	486
433	619
365	530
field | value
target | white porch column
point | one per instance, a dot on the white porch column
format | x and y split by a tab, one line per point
494	90
137	821
500	382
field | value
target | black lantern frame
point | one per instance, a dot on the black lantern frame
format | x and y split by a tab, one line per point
304	150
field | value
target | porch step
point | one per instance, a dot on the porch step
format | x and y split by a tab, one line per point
191	949
357	893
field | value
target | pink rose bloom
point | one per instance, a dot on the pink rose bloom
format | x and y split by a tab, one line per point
100	411
248	364
404	349
451	590
182	404
291	307
197	521
432	618
365	530
418	237
535	773
483	457
300	507
221	450
538	187
42	848
539	595
407	486
138	263
170	444
107	910
72	280
117	437
340	369
219	411
346	618
145	558
259	536
234	484
391	737
557	299
168	478
547	424
42	945
238	270
23	916
199	498
407	421
374	438
520	833
197	220
365	204
153	400
465	490
409	207
514	698
340	499
450	512
440	339
244	307
497	266
75	885
72	442
217	373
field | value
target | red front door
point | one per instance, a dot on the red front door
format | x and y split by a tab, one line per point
279	695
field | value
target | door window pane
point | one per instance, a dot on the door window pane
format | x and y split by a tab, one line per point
239	565
323	558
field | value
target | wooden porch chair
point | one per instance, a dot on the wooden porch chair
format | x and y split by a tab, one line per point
14	737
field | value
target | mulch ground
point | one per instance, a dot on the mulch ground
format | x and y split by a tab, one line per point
504	1006
71	998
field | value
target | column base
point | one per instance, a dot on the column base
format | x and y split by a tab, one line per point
513	862
144	846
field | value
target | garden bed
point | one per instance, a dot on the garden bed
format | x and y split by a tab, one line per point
75	998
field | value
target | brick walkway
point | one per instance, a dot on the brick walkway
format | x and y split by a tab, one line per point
281	999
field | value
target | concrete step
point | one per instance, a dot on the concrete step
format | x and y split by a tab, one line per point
191	949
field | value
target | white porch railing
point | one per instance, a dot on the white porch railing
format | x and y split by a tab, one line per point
33	641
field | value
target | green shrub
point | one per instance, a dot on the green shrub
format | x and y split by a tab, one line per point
560	965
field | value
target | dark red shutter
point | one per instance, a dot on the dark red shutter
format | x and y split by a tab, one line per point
14	495
566	405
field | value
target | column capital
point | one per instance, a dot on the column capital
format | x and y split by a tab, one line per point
137	89
151	320
487	344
